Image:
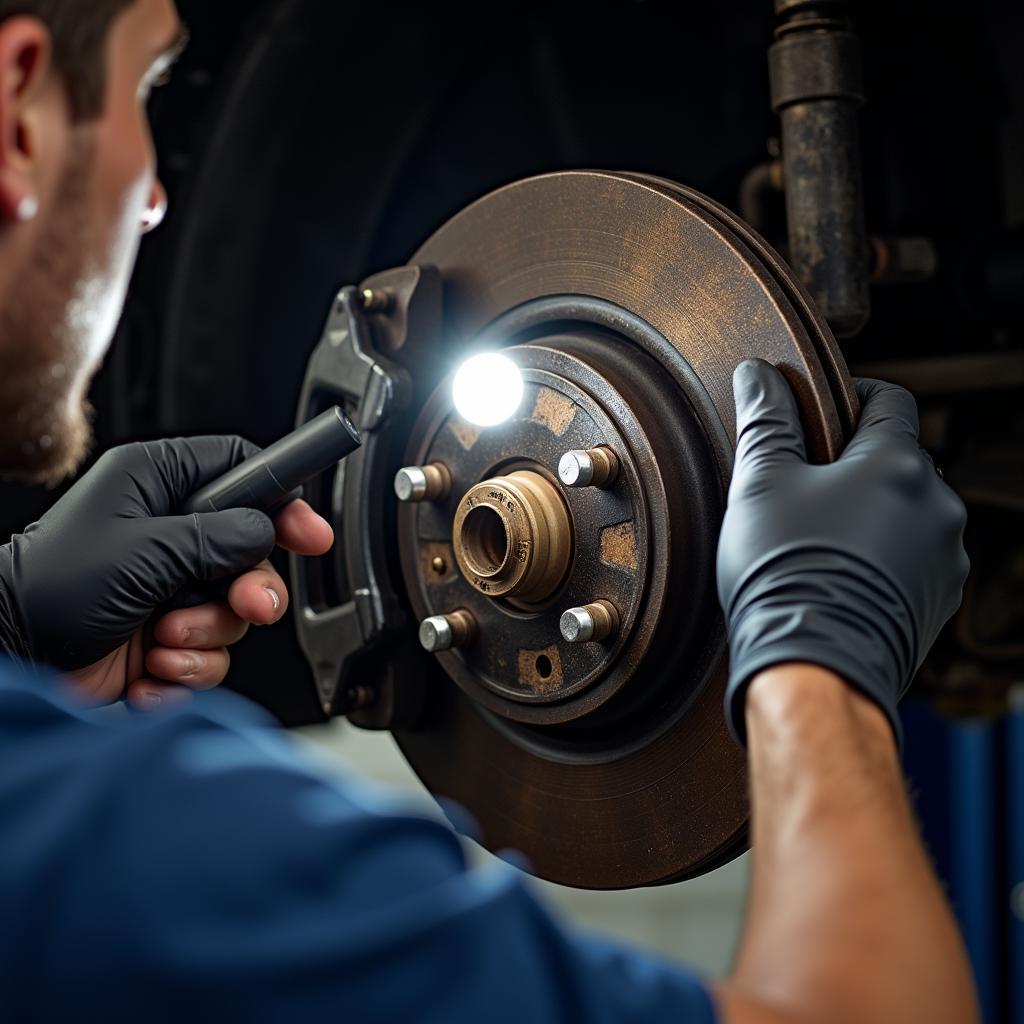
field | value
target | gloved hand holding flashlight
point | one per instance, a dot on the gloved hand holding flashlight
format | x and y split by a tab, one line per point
79	588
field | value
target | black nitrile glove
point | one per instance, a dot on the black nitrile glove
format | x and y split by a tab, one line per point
82	581
853	566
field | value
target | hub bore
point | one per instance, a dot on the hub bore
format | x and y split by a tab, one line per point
513	537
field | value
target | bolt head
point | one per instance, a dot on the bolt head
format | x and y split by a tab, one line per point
436	634
577	626
411	484
576	469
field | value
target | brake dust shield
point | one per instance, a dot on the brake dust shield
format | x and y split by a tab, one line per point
627	301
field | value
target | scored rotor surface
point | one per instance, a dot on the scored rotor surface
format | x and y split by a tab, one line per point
677	805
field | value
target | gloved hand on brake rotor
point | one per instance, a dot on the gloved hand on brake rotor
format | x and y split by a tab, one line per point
853	566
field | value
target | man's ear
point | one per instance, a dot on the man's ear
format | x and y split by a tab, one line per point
25	52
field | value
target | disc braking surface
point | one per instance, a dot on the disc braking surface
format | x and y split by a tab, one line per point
628	301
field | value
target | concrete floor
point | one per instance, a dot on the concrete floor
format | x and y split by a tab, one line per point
697	922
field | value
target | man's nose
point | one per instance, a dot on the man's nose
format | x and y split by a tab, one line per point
157	208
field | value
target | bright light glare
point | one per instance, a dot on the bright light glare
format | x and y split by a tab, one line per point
488	389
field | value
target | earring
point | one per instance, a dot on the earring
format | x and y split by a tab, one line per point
28	209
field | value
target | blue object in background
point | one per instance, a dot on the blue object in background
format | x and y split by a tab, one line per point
967	783
1014	789
976	848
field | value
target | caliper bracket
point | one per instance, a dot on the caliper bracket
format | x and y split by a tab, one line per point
346	602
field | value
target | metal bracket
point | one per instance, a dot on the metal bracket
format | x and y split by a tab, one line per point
347	367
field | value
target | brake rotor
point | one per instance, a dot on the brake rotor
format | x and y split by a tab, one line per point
627	302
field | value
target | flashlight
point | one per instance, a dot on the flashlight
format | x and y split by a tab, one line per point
268	481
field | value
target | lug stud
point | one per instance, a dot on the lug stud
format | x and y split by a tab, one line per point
423	483
596	467
443	632
590	624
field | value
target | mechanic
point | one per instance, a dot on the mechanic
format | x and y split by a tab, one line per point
189	863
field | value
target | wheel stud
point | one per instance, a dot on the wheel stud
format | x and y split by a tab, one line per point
443	632
423	483
590	624
597	467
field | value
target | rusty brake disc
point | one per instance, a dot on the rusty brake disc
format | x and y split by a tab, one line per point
600	752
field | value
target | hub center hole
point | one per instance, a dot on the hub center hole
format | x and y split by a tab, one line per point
486	540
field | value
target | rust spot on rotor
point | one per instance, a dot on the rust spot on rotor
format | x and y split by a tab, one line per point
618	546
554	410
466	434
541	671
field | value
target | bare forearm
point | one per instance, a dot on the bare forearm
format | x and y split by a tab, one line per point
846	920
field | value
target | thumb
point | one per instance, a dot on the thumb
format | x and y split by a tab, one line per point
206	547
768	429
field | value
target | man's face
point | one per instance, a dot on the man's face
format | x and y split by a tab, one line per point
59	316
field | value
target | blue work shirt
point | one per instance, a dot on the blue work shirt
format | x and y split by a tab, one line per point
193	865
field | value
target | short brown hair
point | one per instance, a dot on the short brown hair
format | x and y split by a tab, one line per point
79	30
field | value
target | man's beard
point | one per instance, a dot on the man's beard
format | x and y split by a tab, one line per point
45	430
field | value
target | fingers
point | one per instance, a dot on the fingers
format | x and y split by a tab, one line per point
888	414
301	530
767	419
260	596
191	650
205	627
195	670
153	695
204	548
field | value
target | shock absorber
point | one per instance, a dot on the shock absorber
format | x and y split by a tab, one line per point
817	91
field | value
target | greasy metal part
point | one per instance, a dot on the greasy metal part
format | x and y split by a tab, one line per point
596	467
379	300
758	187
423	483
636	757
900	260
443	632
817	90
591	623
513	537
612	543
414	310
346	601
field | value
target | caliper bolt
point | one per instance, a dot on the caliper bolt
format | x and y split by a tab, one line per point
597	467
443	632
423	483
376	300
590	624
